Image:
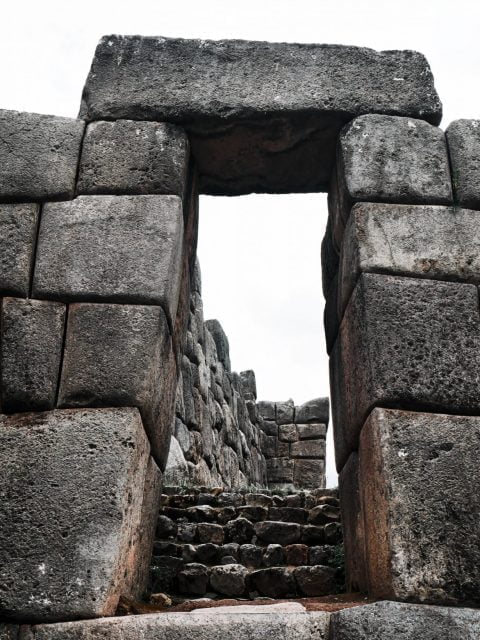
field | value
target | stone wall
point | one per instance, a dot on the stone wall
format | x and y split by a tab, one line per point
294	442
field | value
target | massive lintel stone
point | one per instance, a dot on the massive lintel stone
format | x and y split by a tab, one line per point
121	355
39	156
111	248
260	116
133	157
419	480
399	621
30	353
463	139
404	342
441	243
71	497
18	230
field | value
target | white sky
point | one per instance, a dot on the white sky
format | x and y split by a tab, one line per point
259	254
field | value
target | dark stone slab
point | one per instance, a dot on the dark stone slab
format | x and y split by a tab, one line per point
404	342
229	579
273	582
127	157
280	470
260	116
18	230
39	156
111	248
423	545
315	581
316	410
72	494
463	140
282	533
30	354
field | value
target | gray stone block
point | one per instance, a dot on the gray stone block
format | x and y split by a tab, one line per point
40	156
280	470
316	410
399	621
267	410
285	412
463	140
423	545
30	353
229	579
121	355
71	496
221	342
18	230
249	384
273	582
391	159
309	474
312	431
278	532
315	581
308	449
111	248
132	157
440	243
260	116
287	433
352	525
404	342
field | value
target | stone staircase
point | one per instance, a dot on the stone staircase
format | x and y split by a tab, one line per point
217	544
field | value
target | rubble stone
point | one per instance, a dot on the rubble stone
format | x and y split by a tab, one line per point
229	579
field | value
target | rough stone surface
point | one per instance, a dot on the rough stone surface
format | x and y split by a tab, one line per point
30	353
391	159
405	342
309	473
315	581
9	631
121	355
134	157
18	229
274	582
399	621
229	579
260	116
193	579
316	410
278	532
39	156
312	431
463	140
308	449
71	496
207	624
440	243
113	249
221	342
423	545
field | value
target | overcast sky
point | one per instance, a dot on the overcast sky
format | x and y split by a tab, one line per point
260	255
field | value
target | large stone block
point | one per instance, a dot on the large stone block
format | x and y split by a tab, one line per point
422	544
440	243
30	353
71	495
352	525
309	474
133	157
408	343
260	116
308	449
390	159
280	470
315	410
39	156
111	248
221	342
463	140
121	355
18	230
399	621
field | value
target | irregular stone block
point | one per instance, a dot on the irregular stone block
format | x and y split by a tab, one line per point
288	514
308	449
352	524
193	579
207	553
278	532
229	579
309	474
251	556
273	582
296	554
30	353
439	243
312	431
273	555
316	410
267	409
424	545
221	342
284	412
323	514
18	230
40	156
176	467
404	342
312	534
280	470
111	248
133	157
275	118
121	355
79	478
249	384
164	573
240	530
315	581
209	532
288	432
399	621
390	159
463	140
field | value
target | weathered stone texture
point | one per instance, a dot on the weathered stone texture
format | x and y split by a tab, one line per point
18	229
463	139
260	116
30	353
121	355
399	621
423	544
71	495
404	342
39	156
111	248
316	410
